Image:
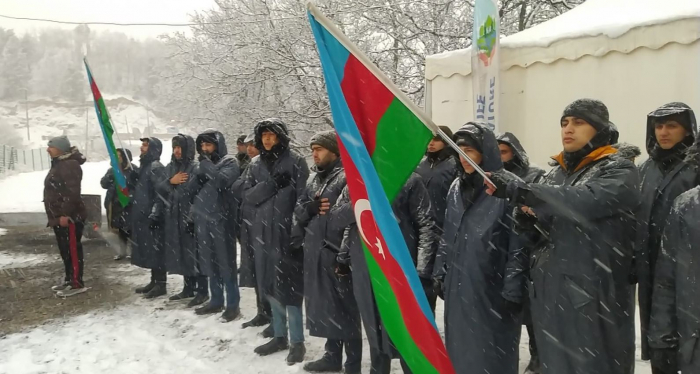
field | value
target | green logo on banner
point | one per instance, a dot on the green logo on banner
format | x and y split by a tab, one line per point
487	41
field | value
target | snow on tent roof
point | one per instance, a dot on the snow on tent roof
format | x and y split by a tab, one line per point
595	27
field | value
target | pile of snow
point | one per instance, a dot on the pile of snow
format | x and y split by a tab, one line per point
3	231
16	260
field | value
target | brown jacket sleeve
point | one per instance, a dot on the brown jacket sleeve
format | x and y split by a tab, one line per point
71	203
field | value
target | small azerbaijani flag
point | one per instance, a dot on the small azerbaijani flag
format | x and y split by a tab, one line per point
382	139
107	132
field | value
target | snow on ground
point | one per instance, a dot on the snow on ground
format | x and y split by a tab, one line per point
24	192
3	231
9	260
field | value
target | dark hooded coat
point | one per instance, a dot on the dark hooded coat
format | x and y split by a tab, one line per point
331	310
246	215
580	293
62	188
214	210
117	216
176	200
520	164
278	269
438	173
664	177
147	244
484	269
675	313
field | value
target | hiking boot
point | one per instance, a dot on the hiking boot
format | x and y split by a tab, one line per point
324	365
157	291
70	291
199	299
208	309
231	314
259	320
296	353
273	346
185	294
61	287
146	288
269	332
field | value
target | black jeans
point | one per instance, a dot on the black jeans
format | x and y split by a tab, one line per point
353	353
159	276
197	283
63	239
264	308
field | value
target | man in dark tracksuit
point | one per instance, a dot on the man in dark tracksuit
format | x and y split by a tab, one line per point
671	130
65	211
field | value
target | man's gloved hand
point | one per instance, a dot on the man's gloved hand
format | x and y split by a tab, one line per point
513	308
439	288
313	207
500	181
665	359
154	224
428	287
282	180
342	270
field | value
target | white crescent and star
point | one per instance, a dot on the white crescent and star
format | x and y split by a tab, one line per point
361	206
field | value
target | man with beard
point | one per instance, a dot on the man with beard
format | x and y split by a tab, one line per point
214	216
275	181
581	221
176	192
331	310
438	169
671	130
117	215
242	156
65	211
146	224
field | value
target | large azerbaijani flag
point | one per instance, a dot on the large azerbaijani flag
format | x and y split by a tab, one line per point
382	139
107	132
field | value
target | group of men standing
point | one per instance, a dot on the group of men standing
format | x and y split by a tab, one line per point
558	251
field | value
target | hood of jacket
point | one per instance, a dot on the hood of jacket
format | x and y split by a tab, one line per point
513	142
275	125
126	154
188	148
74	154
666	110
482	134
155	149
221	148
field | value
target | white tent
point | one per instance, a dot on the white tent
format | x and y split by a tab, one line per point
634	55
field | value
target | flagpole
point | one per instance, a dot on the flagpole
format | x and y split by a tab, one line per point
427	121
85	60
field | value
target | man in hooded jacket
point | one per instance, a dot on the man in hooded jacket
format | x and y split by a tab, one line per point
146	223
581	221
214	213
438	169
118	216
331	310
65	211
483	265
671	130
276	180
242	156
176	192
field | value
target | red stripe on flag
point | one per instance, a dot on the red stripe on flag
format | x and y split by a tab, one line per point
95	91
421	329
367	98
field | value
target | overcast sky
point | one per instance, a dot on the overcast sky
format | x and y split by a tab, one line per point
119	11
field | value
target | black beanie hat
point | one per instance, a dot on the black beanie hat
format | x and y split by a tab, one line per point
241	140
327	140
590	110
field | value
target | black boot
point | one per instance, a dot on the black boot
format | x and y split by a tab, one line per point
231	314
157	290
199	299
208	309
185	294
296	353
269	332
324	365
146	288
259	320
273	346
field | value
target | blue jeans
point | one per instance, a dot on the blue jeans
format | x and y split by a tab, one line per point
233	296
279	321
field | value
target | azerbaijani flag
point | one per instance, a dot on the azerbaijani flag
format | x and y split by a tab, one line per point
107	132
382	139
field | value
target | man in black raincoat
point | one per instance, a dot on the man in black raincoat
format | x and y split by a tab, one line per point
438	169
674	331
483	266
176	192
117	216
671	130
242	156
274	183
146	223
581	219
214	213
414	213
331	310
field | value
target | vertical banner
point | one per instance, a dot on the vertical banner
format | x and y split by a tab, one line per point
485	62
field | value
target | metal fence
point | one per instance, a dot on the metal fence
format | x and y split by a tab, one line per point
23	159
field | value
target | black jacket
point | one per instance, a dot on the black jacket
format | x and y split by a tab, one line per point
520	164
438	172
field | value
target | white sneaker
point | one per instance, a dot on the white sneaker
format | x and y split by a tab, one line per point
71	292
61	287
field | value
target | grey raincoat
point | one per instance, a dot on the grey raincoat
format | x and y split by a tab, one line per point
520	165
664	177
438	173
278	269
147	244
212	212
176	201
484	269
246	216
